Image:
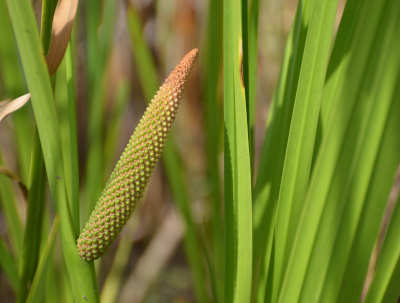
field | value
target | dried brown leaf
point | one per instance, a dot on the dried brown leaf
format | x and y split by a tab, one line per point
63	21
8	107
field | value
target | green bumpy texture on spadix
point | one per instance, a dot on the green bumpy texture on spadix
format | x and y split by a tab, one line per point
128	180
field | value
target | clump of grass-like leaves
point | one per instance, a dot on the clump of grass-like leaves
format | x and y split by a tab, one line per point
311	217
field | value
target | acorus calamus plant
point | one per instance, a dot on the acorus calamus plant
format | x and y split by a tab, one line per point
131	174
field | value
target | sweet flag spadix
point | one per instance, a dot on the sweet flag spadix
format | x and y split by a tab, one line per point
131	174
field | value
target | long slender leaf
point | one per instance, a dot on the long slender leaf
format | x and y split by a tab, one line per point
360	149
65	96
384	287
33	228
12	218
301	141
386	163
324	172
9	266
245	75
238	208
213	132
36	292
250	13
10	73
112	285
268	182
36	199
99	49
48	8
142	54
13	85
11	80
27	36
386	279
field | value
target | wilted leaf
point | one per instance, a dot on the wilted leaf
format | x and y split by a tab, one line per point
63	21
8	107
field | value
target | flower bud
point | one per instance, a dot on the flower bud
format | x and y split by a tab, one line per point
131	174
